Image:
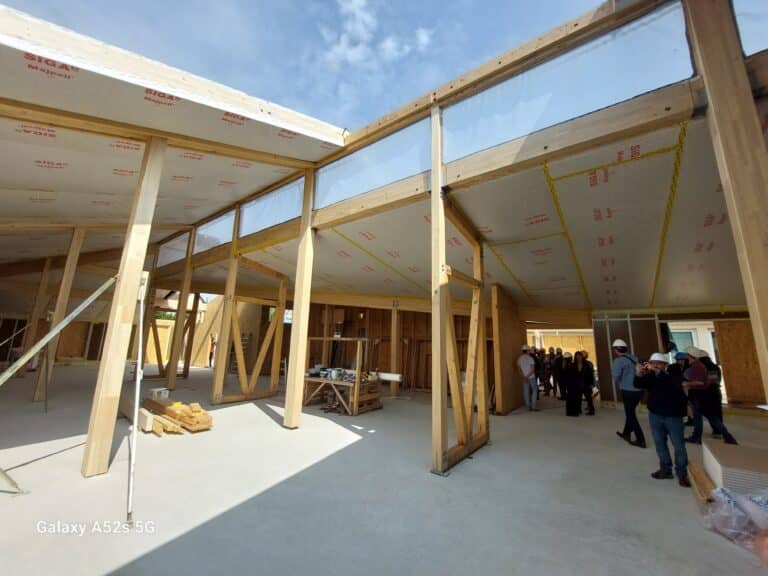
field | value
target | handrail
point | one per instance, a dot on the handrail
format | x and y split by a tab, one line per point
13	368
12	336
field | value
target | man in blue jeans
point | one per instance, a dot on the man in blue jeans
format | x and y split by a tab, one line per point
667	404
623	369
526	366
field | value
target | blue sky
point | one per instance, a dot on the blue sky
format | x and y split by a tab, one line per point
343	61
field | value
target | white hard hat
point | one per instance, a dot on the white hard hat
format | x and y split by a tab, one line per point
619	343
525	348
695	352
567	355
659	357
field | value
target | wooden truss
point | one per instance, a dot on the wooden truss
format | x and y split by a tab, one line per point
471	434
230	329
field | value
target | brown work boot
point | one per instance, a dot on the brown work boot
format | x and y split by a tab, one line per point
684	482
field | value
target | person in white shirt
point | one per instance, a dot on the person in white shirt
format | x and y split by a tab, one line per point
526	365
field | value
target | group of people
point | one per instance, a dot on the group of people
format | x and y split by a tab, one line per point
693	379
572	377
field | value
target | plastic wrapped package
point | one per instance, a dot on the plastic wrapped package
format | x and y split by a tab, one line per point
742	519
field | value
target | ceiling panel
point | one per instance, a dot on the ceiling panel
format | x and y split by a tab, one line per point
700	267
615	221
512	208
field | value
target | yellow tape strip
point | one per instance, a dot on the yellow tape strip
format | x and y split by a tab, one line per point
509	271
650	154
380	261
566	233
670	205
526	240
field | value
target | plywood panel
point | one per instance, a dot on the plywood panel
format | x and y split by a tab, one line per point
511	337
644	338
738	357
72	341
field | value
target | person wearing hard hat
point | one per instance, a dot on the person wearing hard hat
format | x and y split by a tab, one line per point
623	369
666	408
702	384
526	366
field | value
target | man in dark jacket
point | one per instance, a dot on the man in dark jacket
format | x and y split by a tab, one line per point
667	407
702	381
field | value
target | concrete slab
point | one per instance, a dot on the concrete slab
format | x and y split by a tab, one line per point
340	495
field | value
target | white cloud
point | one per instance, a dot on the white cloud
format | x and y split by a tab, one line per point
392	49
423	38
353	44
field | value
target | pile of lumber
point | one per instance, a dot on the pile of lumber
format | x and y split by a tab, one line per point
190	417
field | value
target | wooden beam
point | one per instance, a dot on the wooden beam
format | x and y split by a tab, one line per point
257	301
268	339
498	375
440	291
394	350
192	323
255	266
96	270
37	225
237	344
221	366
59	312
270	237
658	109
158	348
559	40
459	218
454	374
473	341
38	308
301	303
57	262
327	319
483	403
740	151
101	426
401	193
181	315
149	309
461	277
277	346
81	122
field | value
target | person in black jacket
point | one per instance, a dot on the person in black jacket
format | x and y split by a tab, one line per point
666	406
580	377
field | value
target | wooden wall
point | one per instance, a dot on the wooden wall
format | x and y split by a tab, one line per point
738	357
509	336
72	341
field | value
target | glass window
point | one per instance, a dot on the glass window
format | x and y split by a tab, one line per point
639	57
215	232
752	19
682	339
393	158
270	209
173	250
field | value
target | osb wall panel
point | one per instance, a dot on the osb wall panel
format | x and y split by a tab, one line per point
738	358
511	337
72	341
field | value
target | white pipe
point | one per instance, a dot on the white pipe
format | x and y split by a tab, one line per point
136	399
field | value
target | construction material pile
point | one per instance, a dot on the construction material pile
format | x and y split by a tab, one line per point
171	417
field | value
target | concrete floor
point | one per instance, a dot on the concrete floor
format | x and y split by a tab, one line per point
340	495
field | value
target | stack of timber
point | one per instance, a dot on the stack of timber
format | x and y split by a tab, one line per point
191	417
369	395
